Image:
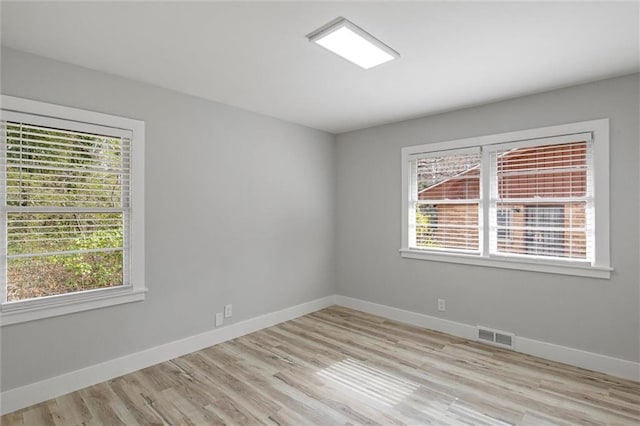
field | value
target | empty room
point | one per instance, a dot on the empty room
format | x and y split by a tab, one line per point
320	213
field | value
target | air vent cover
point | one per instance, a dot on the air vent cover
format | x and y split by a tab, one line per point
496	337
486	335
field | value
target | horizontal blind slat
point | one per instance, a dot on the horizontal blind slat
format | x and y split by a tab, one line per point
62	253
118	172
14	144
30	124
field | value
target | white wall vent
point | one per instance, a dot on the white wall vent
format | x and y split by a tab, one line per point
496	337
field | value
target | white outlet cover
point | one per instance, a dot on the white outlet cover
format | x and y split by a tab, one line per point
228	310
219	319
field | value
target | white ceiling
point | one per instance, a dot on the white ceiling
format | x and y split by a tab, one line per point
255	55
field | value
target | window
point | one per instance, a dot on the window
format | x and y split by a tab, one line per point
520	200
71	210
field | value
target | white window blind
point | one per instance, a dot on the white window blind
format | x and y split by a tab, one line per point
66	208
444	201
546	190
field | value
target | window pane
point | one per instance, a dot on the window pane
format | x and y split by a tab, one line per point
446	210
41	276
447	226
543	229
56	243
452	177
52	167
547	171
545	189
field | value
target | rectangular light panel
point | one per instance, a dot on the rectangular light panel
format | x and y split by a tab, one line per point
352	43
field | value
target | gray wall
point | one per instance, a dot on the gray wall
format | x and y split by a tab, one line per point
596	315
239	209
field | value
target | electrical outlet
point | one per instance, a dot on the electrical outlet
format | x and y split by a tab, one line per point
442	305
228	310
219	319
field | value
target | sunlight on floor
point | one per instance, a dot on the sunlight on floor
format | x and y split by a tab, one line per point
373	383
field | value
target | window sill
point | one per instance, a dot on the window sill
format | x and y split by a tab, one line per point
580	270
29	310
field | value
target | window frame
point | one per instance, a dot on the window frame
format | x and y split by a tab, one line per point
599	268
62	304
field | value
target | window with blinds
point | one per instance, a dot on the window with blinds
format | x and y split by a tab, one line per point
533	199
547	188
66	208
445	196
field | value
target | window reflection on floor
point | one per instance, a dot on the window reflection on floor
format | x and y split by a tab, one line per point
376	384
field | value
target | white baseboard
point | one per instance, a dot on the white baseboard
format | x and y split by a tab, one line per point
579	358
34	393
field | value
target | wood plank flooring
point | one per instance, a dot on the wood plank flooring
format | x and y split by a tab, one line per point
340	366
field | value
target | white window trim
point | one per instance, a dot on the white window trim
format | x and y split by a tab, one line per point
601	267
45	307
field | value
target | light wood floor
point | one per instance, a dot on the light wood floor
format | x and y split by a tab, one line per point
339	366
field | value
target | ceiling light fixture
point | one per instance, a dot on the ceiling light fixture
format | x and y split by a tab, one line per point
346	39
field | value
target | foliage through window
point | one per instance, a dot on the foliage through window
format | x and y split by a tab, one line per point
522	199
